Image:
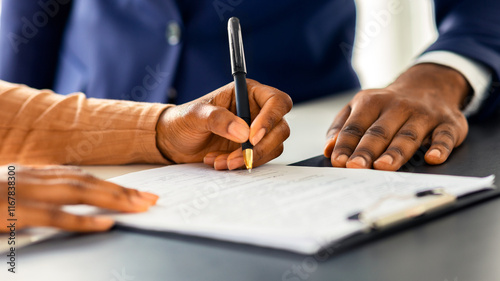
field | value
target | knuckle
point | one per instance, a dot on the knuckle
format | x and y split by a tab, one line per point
196	110
460	122
344	149
459	126
464	124
353	129
373	96
409	134
364	152
118	196
81	221
404	105
284	100
396	150
55	216
285	129
445	134
335	127
288	101
281	149
215	119
278	151
258	154
86	177
129	193
363	95
364	99
378	132
270	122
252	82
281	106
443	144
78	186
84	221
423	116
252	86
340	119
458	115
214	115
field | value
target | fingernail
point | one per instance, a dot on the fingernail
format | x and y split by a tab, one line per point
104	221
386	159
359	162
342	159
149	196
258	137
435	153
239	131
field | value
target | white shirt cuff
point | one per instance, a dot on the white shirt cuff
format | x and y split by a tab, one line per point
478	76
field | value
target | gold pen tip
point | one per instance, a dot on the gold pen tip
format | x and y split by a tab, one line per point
248	158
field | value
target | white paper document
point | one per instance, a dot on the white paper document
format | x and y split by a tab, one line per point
300	209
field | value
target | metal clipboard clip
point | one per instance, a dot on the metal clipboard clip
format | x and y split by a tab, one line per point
382	215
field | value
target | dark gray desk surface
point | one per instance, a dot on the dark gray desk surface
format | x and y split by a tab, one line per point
464	245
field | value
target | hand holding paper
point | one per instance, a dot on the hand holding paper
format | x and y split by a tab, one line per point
33	197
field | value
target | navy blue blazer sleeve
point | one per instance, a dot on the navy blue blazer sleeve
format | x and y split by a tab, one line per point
472	28
31	34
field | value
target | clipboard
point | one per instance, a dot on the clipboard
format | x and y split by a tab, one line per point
375	233
436	203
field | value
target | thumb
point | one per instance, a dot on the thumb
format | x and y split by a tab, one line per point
224	123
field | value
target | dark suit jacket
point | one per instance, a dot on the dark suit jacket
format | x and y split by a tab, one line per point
165	50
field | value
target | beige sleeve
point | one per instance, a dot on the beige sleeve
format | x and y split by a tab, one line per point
41	127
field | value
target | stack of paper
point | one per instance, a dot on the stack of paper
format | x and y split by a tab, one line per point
300	209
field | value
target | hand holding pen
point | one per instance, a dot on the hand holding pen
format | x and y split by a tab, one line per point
208	130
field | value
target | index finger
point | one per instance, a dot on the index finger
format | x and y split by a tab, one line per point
274	105
43	215
360	119
69	192
44	175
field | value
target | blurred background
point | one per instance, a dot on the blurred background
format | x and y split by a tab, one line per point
387	42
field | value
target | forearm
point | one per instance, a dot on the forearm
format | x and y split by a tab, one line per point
40	127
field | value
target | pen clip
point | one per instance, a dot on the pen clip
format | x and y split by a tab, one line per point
236	46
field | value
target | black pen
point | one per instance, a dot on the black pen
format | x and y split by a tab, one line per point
239	71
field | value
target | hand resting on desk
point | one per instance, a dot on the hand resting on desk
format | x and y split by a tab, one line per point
383	128
38	193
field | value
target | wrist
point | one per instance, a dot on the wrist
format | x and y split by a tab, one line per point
162	134
437	80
